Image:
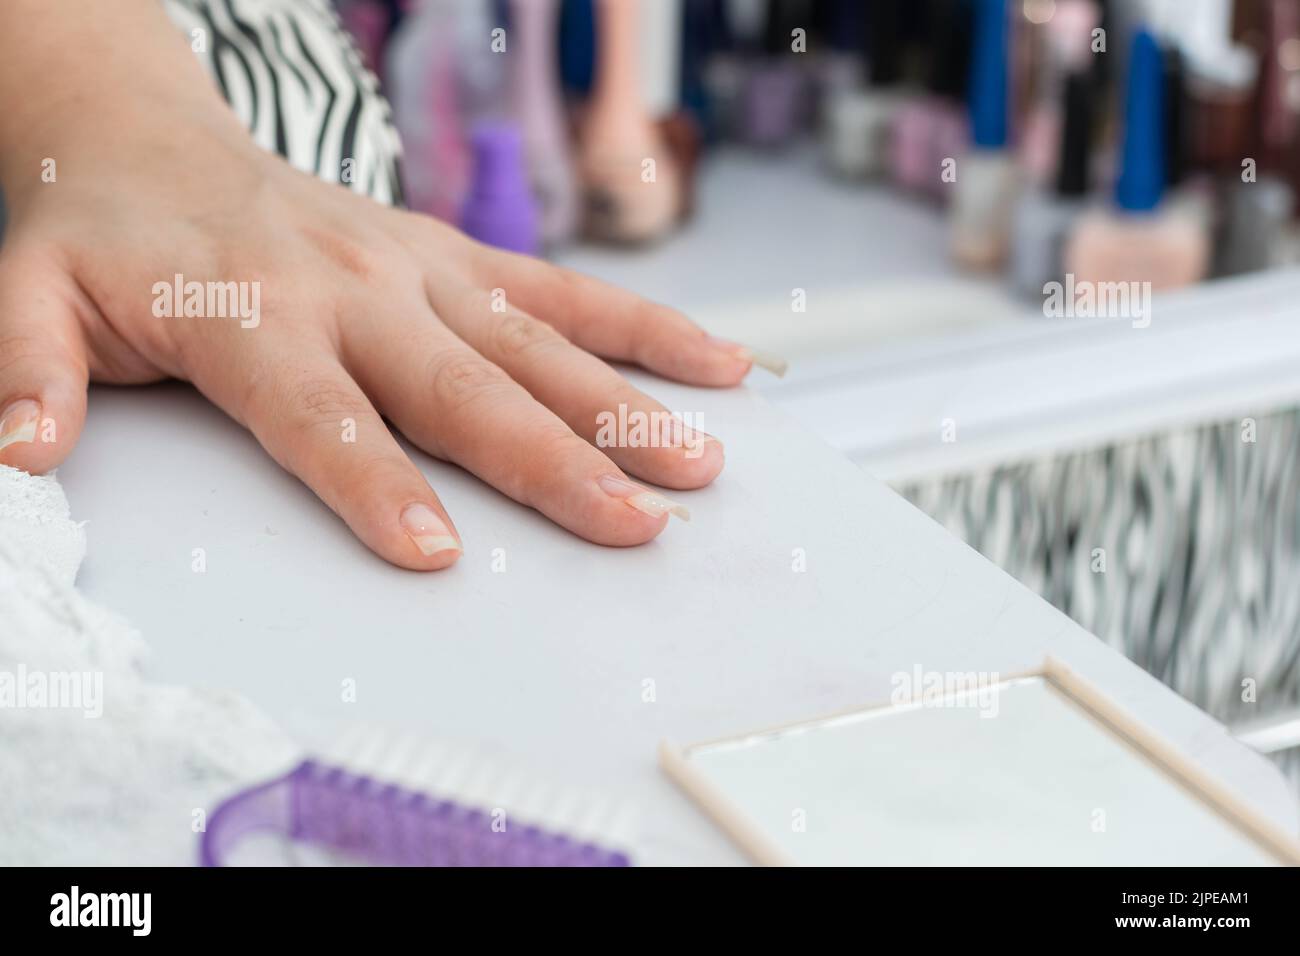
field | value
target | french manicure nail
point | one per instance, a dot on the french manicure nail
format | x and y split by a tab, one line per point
18	423
427	529
647	502
773	363
691	439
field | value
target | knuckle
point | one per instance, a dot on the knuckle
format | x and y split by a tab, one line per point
655	318
50	351
556	440
657	332
301	403
570	282
318	398
348	254
550	444
458	379
518	334
357	479
15	349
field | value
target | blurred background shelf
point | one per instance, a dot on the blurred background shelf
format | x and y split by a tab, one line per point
872	263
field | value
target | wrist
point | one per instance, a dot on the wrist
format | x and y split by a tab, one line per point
85	138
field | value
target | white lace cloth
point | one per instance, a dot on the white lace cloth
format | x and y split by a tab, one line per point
134	784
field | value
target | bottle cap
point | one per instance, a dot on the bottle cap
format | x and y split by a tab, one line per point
950	47
1076	135
1142	163
989	60
1176	130
885	42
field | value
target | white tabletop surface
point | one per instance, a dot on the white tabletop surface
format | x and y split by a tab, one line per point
546	661
545	665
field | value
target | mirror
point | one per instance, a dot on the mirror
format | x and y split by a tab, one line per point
1034	770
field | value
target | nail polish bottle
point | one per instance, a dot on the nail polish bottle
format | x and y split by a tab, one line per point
1064	48
984	192
684	141
699	42
1257	226
1279	112
726	77
535	101
423	88
1140	238
859	123
1259	231
662	52
1189	191
659	44
631	184
1220	78
1221	86
482	73
839	69
1046	216
934	127
1177	167
500	210
775	94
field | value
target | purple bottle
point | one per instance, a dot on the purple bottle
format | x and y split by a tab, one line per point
501	210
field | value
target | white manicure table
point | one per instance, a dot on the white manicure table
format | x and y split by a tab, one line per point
546	663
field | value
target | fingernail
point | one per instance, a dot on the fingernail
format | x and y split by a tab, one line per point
773	363
427	529
694	443
18	423
692	440
647	502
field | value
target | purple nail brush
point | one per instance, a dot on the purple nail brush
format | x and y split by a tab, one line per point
385	825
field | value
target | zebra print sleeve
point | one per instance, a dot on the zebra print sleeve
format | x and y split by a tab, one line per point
291	73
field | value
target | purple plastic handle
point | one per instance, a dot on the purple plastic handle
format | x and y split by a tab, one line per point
385	825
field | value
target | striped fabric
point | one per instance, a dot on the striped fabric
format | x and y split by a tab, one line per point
1181	550
291	73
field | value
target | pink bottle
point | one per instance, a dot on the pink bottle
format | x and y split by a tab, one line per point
933	128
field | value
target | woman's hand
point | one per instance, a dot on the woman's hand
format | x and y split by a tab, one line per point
344	313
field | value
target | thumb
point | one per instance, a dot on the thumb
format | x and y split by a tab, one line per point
43	372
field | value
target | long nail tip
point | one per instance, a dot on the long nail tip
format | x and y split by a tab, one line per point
766	360
430	545
656	505
23	433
